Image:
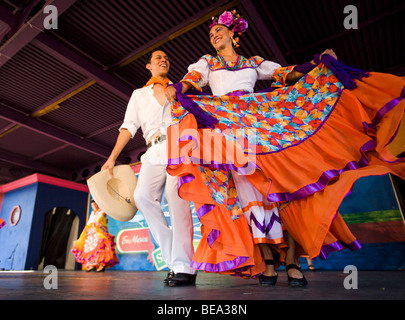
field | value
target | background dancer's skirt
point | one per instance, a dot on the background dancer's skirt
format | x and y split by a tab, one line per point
95	248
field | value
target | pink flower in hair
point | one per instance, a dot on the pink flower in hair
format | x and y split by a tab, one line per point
226	19
240	25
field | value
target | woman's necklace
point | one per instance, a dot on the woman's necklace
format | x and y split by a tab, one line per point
238	62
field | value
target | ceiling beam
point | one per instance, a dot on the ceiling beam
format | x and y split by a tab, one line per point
53	132
18	160
189	24
104	129
29	31
8	129
46	153
56	101
66	55
50	105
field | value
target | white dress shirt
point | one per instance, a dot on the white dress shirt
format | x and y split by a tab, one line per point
145	112
224	81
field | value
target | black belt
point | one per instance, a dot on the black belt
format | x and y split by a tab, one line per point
156	140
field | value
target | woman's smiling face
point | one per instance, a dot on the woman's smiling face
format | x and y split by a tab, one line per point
220	36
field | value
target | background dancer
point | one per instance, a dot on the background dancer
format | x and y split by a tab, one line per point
95	248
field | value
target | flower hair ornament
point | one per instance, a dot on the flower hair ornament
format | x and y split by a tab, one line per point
229	19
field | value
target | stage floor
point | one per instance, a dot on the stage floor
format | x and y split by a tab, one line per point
125	285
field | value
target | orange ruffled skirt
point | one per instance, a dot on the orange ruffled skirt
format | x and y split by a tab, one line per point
308	179
95	248
352	144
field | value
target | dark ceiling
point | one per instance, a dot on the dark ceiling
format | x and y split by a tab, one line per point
63	92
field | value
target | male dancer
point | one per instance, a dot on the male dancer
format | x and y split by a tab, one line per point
149	110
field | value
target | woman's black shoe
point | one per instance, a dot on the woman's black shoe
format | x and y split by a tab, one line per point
295	282
182	279
169	276
268	281
312	268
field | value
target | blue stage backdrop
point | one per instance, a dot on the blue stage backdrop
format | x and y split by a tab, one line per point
37	195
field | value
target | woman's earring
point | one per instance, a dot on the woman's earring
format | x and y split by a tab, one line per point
235	43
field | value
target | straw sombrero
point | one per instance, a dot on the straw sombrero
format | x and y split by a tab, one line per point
115	196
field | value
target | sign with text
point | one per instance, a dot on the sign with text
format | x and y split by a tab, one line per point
160	264
134	241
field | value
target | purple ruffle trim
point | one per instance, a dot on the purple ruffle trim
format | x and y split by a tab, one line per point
213	236
383	111
379	116
337	246
324	179
219	267
204	209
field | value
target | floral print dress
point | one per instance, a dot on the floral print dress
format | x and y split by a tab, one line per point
282	159
95	247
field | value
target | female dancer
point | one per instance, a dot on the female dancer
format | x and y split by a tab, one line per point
260	163
95	248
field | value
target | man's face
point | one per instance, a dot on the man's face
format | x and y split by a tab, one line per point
159	64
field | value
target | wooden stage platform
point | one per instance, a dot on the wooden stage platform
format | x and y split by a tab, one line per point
135	285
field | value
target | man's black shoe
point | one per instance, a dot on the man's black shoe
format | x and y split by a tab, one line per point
170	275
182	279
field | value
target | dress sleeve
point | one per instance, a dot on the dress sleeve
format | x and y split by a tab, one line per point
131	120
280	76
198	74
266	70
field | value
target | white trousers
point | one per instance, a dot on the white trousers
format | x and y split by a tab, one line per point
176	242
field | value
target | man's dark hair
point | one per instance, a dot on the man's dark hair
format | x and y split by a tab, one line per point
149	55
